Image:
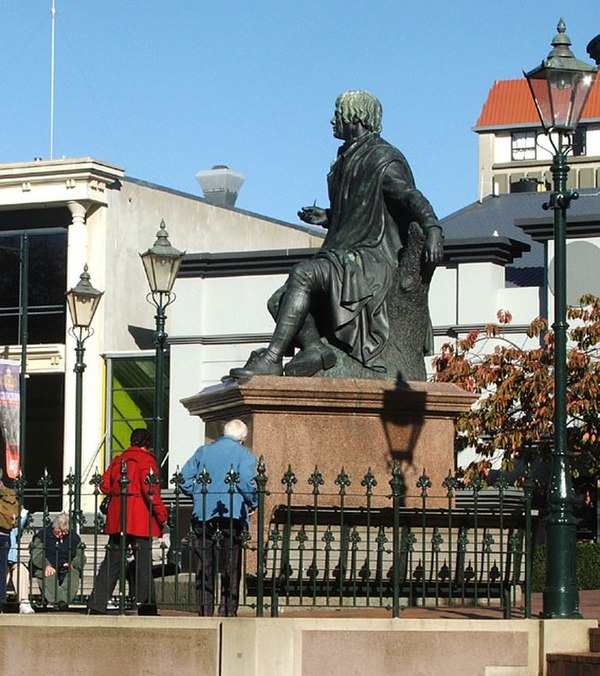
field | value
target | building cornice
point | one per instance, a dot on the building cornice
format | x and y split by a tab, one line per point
542	229
499	250
243	263
45	182
449	330
47	358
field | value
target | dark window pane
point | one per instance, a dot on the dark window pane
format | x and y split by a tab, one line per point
9	330
10	270
44	440
47	269
579	137
47	261
47	328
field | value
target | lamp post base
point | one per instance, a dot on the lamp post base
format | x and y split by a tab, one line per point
560	595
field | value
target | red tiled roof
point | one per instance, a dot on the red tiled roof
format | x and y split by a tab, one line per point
509	103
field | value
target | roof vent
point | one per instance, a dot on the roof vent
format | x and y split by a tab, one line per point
220	185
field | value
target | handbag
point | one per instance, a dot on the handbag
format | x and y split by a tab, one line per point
104	505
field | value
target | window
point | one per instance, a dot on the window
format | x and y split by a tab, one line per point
579	138
523	146
44	438
131	399
43	254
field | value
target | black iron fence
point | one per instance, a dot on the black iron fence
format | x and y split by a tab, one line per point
313	542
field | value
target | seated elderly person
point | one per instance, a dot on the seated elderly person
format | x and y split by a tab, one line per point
57	560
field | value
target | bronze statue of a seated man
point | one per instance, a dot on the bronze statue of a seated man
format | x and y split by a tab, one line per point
341	294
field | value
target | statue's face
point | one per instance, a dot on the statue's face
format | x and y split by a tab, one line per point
342	130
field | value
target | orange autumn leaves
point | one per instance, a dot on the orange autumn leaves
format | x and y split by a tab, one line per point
514	414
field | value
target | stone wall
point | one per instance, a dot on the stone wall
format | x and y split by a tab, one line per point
61	645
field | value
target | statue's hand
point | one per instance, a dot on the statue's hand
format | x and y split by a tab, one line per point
434	246
313	215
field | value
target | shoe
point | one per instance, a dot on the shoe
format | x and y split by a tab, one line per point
314	358
25	608
62	606
260	363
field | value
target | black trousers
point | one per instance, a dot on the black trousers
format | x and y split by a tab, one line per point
110	569
218	545
4	547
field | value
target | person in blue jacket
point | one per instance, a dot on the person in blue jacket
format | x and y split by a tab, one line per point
220	478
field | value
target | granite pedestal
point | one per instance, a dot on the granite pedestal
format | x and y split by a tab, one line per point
332	424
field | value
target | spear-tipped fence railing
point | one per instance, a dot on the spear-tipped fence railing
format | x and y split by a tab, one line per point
334	542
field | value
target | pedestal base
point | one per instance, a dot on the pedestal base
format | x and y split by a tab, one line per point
357	425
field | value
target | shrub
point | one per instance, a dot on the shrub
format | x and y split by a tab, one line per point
588	567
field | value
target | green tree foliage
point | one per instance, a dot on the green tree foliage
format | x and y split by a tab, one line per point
588	567
514	415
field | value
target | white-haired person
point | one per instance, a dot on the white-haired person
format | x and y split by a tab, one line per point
57	560
221	513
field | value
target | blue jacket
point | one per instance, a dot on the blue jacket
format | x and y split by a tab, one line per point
218	459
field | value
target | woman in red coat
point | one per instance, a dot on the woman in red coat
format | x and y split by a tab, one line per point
136	510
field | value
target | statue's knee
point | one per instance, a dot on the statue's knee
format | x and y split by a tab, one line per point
275	301
300	277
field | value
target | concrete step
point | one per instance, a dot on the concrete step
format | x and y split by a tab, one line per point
573	664
595	640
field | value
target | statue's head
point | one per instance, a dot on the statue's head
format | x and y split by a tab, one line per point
360	106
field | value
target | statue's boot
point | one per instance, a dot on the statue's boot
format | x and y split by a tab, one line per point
314	354
316	357
259	363
268	361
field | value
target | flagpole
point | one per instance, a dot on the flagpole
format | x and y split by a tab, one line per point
53	12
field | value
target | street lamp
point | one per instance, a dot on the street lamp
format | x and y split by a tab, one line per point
161	264
560	87
83	301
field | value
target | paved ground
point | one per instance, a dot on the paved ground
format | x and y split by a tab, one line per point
589	606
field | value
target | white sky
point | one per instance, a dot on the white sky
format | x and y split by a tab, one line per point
164	89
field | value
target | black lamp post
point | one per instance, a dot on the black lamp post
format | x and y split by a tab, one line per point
83	301
161	264
560	87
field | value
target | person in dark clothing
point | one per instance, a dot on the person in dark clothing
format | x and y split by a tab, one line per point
57	560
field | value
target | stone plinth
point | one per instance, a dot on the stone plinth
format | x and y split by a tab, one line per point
341	423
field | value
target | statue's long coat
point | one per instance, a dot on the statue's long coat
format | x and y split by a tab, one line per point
372	201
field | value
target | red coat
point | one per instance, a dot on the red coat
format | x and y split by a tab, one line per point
140	463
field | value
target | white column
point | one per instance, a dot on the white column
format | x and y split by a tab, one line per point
77	248
77	244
